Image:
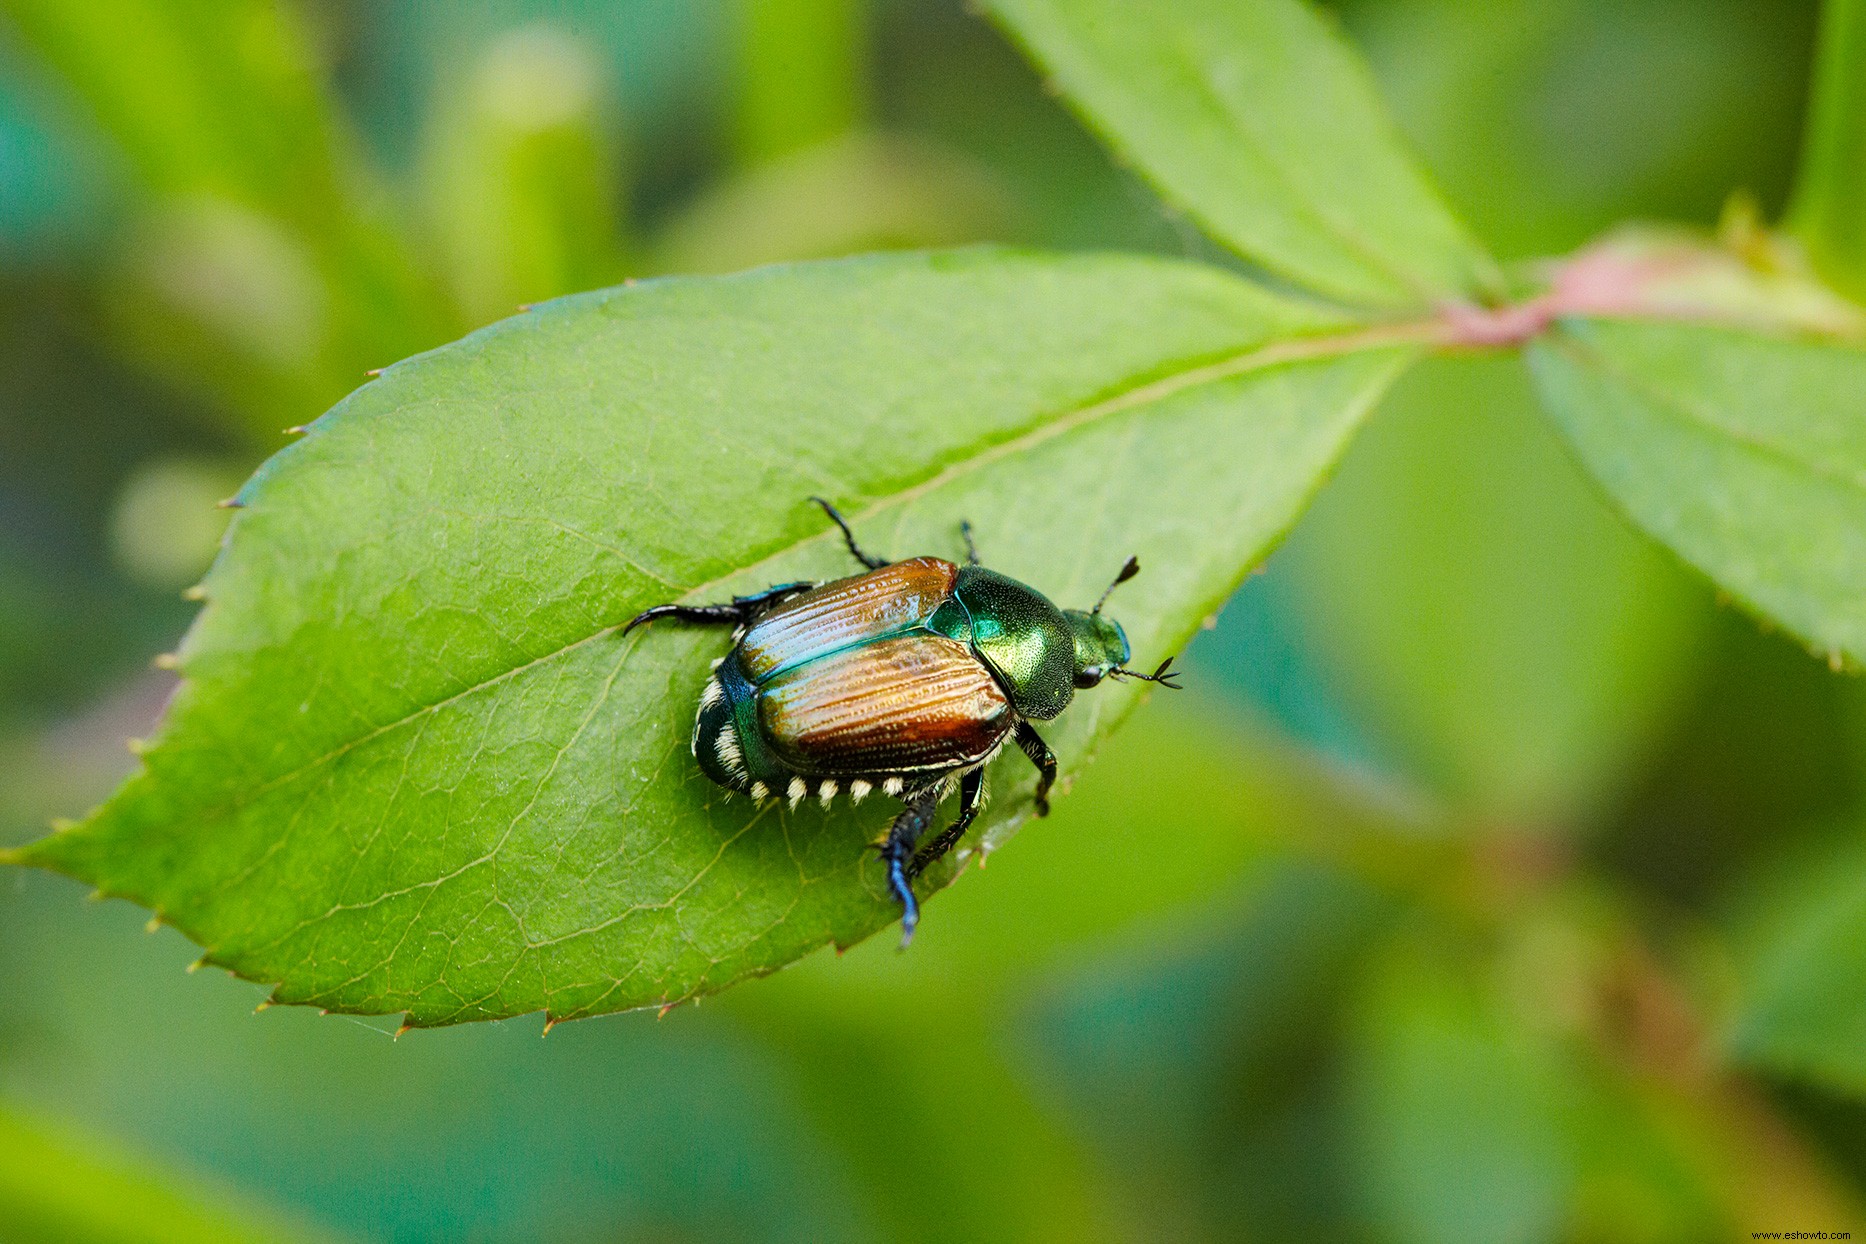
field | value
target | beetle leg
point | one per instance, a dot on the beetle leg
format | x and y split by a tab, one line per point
1042	757
687	613
742	609
898	850
848	537
971	787
971	549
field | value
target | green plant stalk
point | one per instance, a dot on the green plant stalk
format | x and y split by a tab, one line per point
800	74
523	176
1828	213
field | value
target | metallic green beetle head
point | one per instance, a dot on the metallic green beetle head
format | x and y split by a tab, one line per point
1101	646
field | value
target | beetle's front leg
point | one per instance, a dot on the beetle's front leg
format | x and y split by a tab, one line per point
1042	757
971	799
897	851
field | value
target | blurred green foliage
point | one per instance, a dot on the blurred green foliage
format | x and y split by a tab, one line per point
1549	931
54	1189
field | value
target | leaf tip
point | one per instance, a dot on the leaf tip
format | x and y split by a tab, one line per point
373	372
166	661
197	965
550	1022
137	747
231	503
197	592
155	923
407	1025
297	429
265	1004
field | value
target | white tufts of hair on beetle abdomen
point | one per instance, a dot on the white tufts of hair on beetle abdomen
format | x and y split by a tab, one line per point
797	788
726	746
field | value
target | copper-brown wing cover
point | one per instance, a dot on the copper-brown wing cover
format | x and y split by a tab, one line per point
919	701
845	613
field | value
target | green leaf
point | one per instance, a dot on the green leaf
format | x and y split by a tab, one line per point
1801	1001
1744	453
1829	209
414	768
1260	120
200	96
53	1189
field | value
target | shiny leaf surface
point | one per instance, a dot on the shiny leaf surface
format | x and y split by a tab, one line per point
414	768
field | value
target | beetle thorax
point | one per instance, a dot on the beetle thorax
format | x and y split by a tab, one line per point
1021	635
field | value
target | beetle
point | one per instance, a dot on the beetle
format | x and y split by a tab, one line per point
907	678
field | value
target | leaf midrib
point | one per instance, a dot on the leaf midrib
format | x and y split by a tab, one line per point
1257	358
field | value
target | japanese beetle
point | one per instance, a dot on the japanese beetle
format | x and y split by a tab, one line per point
906	678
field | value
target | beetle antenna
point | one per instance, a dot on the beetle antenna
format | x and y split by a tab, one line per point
1127	572
1159	675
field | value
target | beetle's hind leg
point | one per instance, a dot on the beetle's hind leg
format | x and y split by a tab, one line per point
971	799
741	610
848	537
897	851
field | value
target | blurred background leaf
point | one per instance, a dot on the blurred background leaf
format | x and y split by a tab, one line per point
1261	123
53	1188
1151	1019
524	181
1512	645
256	260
